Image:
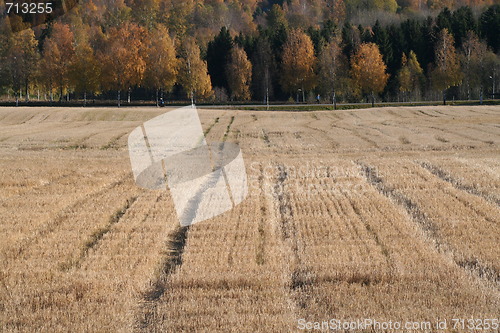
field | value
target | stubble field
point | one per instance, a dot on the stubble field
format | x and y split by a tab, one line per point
390	214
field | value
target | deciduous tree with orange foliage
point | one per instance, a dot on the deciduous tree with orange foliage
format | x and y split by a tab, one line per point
123	58
58	56
447	65
21	61
368	70
239	74
298	63
85	71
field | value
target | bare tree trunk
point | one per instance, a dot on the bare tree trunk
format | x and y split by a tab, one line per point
128	97
334	100
119	95
85	98
267	96
373	99
157	93
444	96
267	87
27	92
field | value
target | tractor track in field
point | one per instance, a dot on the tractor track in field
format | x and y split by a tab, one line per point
396	114
420	113
62	215
55	126
447	177
481	129
175	246
97	236
355	133
468	137
260	255
374	235
301	278
333	144
221	148
174	250
207	131
473	266
113	143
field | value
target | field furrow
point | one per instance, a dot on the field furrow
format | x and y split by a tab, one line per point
466	177
469	232
353	244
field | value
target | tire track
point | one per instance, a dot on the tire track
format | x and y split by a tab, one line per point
396	114
260	257
447	177
460	135
427	114
96	237
238	221
211	126
301	278
53	127
113	143
481	129
355	133
484	273
373	234
62	216
333	144
175	247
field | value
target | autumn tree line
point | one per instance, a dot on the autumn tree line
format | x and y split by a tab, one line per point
220	51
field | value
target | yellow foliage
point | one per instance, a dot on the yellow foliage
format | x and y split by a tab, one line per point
122	58
298	62
239	74
368	69
58	56
447	72
410	73
193	74
161	61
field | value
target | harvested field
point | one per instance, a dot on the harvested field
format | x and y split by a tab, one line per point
391	214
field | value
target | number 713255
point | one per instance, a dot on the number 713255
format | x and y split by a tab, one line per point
29	8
